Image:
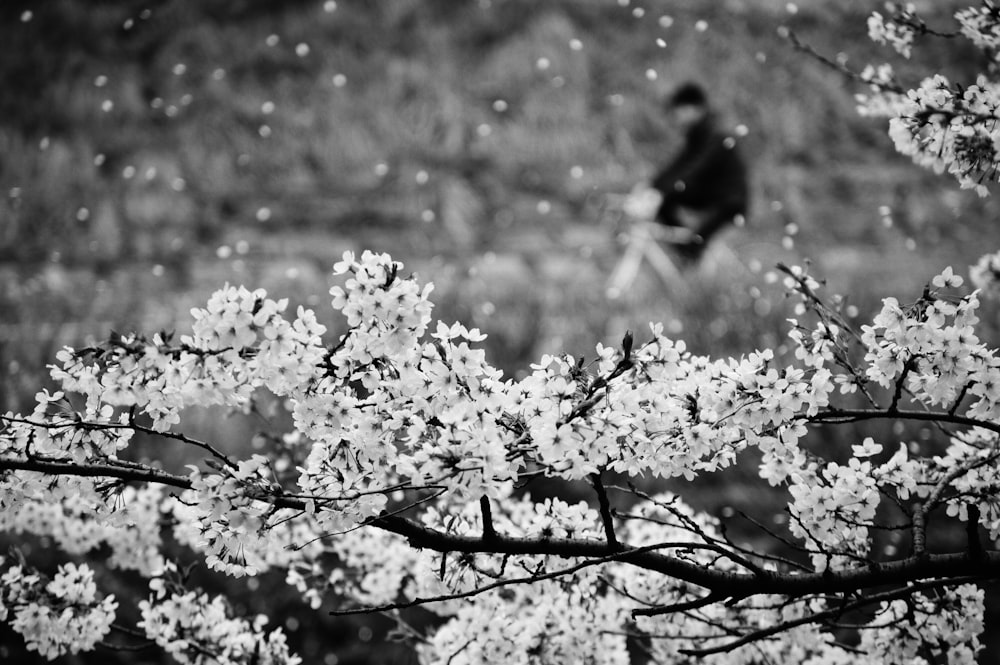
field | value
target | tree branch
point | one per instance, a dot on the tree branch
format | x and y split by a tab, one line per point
529	579
686	606
489	531
132	425
118	469
955	565
818	617
793	39
920	510
605	508
836	416
908	366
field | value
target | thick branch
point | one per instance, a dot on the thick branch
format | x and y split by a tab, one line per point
528	579
121	470
489	531
956	566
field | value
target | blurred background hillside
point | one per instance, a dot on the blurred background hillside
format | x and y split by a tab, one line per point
151	151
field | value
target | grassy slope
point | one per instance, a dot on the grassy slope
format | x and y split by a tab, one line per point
421	83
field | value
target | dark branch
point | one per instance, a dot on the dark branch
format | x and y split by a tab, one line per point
801	46
686	606
972	532
489	531
131	425
529	579
835	416
833	613
188	440
122	470
737	585
605	507
908	366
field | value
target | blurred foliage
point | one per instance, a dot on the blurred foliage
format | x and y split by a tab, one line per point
152	150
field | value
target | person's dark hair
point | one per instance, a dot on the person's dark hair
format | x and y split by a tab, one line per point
688	94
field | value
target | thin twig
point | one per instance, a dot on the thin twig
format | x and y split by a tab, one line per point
835	65
784	626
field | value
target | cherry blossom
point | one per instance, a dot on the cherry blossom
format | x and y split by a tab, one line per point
409	454
408	475
943	125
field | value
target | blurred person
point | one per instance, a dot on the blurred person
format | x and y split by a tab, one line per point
705	186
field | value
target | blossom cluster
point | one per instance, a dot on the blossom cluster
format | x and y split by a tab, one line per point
196	629
981	25
985	275
976	454
921	348
80	523
55	617
240	342
942	125
227	517
945	626
407	476
898	30
410	454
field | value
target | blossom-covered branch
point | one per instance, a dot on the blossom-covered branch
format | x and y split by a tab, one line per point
409	449
943	125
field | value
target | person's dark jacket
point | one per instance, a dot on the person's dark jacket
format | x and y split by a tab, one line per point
708	176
